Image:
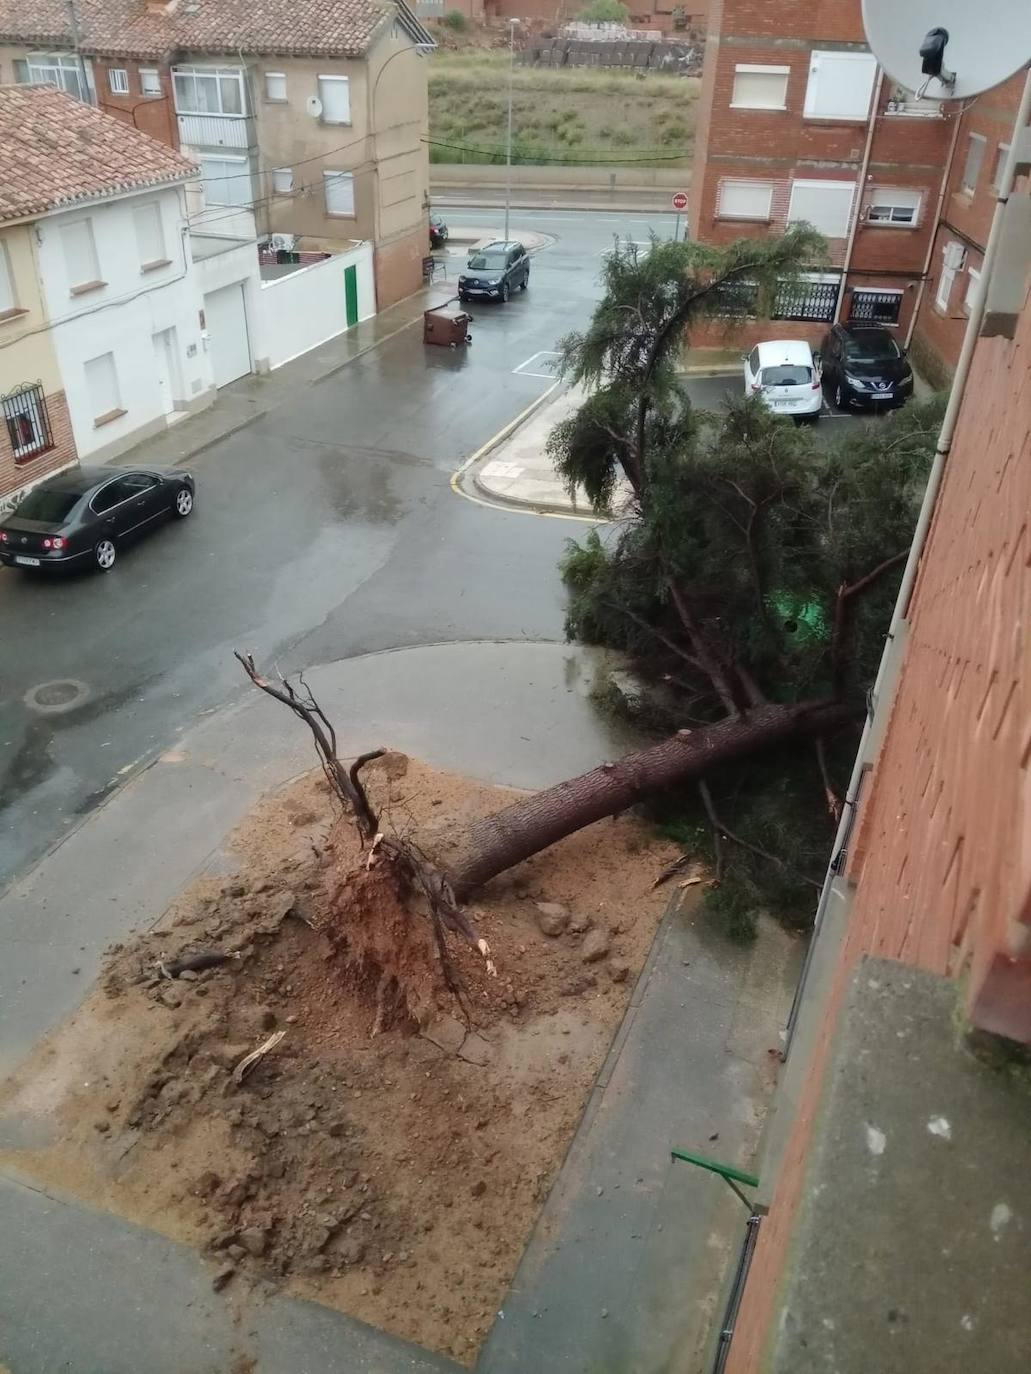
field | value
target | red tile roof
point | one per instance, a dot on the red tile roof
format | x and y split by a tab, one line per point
126	28
55	151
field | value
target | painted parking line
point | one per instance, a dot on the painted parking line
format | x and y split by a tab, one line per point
542	359
643	246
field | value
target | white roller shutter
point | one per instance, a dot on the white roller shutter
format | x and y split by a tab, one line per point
745	200
840	85
225	316
826	205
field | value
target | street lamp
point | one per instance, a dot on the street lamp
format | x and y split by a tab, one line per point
508	147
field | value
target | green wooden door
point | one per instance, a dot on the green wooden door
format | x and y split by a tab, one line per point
351	295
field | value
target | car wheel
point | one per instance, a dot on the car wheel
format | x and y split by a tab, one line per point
526	282
840	397
104	554
505	292
183	502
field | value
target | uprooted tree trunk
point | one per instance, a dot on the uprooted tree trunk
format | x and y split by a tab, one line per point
531	824
378	944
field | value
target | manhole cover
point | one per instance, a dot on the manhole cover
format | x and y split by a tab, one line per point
51	698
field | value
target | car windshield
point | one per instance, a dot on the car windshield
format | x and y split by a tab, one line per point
871	348
50	507
786	374
487	262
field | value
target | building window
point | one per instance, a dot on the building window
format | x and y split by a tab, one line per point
811	298
275	85
282	180
1001	154
209	90
972	166
339	188
80	255
889	205
335	94
64	70
953	258
874	306
150	235
226	181
744	200
826	205
840	85
28	423
102	388
8	299
759	87
118	81
150	81
973	277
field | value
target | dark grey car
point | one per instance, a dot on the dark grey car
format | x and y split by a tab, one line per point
494	272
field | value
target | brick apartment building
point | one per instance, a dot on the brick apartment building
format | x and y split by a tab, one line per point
972	178
797	122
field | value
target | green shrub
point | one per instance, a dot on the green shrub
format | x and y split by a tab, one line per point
604	12
456	21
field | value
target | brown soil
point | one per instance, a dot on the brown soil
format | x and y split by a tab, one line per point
393	1175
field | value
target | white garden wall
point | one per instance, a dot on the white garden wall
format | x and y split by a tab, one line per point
308	307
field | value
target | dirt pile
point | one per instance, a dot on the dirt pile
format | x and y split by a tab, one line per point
391	1172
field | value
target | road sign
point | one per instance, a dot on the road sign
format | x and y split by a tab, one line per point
680	201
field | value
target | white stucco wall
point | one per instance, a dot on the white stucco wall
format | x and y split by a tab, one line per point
307	308
121	316
225	263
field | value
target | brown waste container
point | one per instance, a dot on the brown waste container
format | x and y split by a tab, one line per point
447	326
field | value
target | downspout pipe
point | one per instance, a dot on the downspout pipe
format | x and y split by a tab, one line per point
883	687
857	209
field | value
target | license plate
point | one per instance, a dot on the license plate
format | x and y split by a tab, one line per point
26	562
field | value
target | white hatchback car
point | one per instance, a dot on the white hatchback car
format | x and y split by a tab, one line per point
787	376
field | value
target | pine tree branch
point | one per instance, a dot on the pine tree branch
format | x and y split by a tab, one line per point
720	829
834	802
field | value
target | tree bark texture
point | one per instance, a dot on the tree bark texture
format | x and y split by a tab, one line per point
531	824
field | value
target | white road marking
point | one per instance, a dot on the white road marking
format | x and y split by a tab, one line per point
533	358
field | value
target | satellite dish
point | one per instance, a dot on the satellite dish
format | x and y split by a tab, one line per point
949	49
314	106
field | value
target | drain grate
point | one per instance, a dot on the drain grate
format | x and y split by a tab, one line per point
54	698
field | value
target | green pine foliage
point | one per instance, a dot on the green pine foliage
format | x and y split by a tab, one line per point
758	528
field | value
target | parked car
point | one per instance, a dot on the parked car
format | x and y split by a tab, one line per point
864	366
785	373
438	232
83	516
495	271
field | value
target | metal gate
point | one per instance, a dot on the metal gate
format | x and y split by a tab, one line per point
806	300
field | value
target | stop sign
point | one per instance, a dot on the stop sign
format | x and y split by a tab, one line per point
680	201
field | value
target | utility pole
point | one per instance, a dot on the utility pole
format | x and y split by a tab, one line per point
508	153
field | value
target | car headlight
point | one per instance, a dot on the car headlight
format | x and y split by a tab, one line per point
495	282
462	281
907	380
856	383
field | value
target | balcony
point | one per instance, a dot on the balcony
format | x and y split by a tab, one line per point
216	131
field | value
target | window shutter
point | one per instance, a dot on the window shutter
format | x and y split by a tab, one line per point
102	385
840	85
760	88
282	180
745	200
335	94
972	168
8	301
150	239
339	187
80	254
826	205
275	85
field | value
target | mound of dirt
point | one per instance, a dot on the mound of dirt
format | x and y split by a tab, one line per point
385	1156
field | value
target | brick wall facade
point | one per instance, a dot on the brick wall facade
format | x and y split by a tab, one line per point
16	474
941	858
398	268
151	114
966	217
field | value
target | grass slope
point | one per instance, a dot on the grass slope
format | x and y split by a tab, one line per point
570	114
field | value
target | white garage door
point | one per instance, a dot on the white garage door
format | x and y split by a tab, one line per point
226	319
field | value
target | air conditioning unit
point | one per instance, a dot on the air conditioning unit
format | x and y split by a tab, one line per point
283	243
955	256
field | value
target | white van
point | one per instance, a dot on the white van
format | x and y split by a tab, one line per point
787	376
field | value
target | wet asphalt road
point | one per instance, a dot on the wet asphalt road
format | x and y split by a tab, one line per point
327	529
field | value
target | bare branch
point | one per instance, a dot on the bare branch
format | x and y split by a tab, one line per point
721	829
834	802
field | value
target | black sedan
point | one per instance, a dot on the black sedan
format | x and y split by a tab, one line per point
82	517
864	367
